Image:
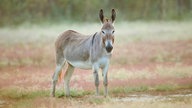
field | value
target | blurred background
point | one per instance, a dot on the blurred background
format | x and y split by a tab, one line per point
152	52
36	11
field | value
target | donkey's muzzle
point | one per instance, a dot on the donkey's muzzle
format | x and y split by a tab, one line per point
109	48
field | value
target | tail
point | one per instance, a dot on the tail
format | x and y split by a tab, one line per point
61	74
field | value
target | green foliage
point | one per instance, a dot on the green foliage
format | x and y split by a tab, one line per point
35	11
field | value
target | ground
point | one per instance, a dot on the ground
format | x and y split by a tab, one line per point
150	67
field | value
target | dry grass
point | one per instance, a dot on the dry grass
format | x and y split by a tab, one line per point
40	99
148	57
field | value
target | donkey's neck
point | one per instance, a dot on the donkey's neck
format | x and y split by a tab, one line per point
97	49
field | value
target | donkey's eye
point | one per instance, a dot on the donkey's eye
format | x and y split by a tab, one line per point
103	32
113	31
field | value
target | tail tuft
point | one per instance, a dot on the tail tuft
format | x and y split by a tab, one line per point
60	76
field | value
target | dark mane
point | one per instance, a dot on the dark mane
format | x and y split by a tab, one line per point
93	38
107	20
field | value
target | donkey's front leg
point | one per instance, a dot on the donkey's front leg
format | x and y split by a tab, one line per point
105	79
96	78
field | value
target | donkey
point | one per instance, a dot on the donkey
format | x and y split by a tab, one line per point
85	52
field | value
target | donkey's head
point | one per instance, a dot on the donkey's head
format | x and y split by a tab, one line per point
107	31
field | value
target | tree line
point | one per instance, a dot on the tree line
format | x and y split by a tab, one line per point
19	11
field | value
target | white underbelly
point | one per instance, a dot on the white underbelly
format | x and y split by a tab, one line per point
81	64
102	62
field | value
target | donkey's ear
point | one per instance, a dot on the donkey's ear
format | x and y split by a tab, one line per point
101	16
113	16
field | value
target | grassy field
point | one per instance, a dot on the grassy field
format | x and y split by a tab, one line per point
150	67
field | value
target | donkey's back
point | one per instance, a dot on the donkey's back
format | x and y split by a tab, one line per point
69	37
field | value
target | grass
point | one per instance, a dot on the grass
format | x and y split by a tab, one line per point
125	90
118	91
17	94
166	87
21	98
181	99
128	35
22	94
73	93
148	57
125	32
177	71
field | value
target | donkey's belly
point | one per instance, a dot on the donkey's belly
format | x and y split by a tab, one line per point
81	64
101	62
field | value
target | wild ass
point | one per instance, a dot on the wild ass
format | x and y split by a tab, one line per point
85	52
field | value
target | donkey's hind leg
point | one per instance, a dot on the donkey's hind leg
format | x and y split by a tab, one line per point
67	78
60	62
55	77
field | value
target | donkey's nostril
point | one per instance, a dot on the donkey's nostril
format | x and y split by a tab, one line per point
109	48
